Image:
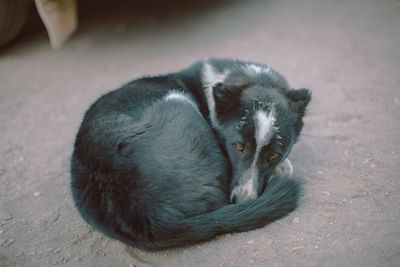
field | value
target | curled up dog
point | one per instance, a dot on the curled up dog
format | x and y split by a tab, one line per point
173	160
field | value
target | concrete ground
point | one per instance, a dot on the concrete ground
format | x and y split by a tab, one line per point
346	52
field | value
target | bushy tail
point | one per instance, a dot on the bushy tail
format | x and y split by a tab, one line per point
279	198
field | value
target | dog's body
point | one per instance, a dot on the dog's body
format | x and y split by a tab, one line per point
149	170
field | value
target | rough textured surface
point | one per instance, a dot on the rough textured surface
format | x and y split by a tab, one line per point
346	52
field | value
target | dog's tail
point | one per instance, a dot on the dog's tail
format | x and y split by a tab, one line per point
279	198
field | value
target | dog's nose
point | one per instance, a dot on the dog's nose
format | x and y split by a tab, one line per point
243	192
238	197
234	200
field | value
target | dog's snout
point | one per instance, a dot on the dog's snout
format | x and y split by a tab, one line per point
242	193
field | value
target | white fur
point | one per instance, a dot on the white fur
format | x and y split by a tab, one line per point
288	167
265	127
210	77
181	97
253	69
256	68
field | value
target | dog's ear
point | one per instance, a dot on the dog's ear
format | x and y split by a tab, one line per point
298	101
226	98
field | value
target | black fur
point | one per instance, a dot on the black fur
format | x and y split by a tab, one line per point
151	172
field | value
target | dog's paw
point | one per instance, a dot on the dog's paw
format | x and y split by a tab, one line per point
284	168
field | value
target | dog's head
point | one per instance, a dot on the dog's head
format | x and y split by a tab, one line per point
259	119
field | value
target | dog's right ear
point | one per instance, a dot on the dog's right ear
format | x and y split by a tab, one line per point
298	101
226	98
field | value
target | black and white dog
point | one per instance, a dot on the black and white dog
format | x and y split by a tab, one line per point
177	159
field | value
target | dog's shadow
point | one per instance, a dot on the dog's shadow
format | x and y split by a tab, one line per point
157	258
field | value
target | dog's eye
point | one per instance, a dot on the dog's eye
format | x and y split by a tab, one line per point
273	157
239	147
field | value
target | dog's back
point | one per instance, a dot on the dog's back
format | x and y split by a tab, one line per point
141	175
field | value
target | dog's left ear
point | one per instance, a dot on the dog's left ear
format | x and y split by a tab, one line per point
298	101
226	98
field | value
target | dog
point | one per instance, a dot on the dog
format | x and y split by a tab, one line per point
177	159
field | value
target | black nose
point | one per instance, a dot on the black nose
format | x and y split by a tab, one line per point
234	201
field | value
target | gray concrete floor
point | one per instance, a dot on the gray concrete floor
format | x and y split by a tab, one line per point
346	52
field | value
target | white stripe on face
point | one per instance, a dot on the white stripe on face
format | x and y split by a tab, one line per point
210	78
265	129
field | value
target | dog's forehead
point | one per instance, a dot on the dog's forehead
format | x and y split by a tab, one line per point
266	99
262	94
271	102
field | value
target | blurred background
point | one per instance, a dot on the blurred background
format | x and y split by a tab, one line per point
345	51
